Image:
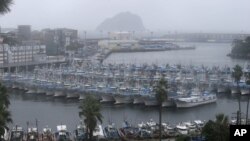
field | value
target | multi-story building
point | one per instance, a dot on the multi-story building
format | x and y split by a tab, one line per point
120	35
24	32
20	54
59	38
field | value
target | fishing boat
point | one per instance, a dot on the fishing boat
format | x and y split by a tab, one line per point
107	95
168	103
245	90
193	101
150	100
169	131
128	132
47	134
138	99
199	124
182	129
80	133
72	92
124	98
31	90
16	134
98	132
32	134
191	126
62	133
59	90
111	133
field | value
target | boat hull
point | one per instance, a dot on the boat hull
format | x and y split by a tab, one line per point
183	104
148	101
72	95
107	98
122	99
245	91
59	93
138	100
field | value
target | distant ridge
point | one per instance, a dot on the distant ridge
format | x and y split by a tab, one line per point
124	21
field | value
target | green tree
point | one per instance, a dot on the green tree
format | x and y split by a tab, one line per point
237	74
5	116
4	97
217	130
90	111
161	95
241	48
5	6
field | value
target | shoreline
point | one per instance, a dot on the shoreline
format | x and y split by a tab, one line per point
238	56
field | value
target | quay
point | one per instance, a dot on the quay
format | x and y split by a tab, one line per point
189	86
105	53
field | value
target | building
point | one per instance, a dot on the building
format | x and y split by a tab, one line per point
59	38
21	54
120	36
118	44
24	32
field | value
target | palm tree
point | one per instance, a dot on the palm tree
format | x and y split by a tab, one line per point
161	95
5	116
4	97
217	130
90	110
237	74
5	6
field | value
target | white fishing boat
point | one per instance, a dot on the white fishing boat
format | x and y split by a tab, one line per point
235	89
47	134
16	134
32	134
193	101
59	93
107	98
62	133
50	93
191	126
168	103
72	93
98	132
123	99
138	99
182	129
245	90
31	90
150	101
199	124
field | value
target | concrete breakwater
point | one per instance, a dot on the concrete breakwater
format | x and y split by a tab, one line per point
103	55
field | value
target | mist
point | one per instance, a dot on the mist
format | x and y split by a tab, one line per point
157	15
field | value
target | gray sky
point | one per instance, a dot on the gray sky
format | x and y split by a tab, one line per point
164	15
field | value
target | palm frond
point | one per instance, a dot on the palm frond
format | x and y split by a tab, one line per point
5	6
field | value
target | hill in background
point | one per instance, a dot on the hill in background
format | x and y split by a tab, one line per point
124	21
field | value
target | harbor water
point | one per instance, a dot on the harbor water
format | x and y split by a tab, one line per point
48	111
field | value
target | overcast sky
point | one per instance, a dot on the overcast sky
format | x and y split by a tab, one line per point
165	15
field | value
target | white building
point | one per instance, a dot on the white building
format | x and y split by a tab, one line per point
118	44
20	54
120	36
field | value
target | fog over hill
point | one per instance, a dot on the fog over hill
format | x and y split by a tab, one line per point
124	21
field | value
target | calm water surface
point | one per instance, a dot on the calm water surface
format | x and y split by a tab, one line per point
208	54
52	112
